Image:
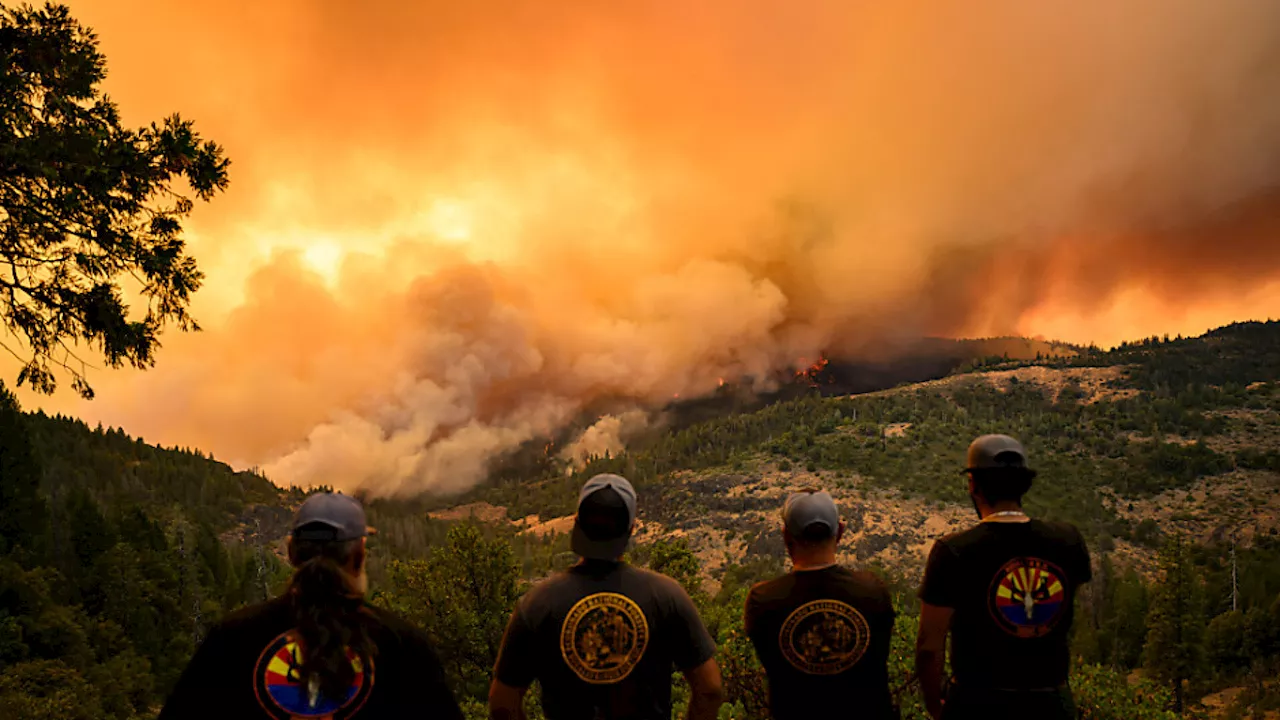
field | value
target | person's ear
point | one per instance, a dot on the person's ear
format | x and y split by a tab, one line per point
973	487
359	556
839	532
293	560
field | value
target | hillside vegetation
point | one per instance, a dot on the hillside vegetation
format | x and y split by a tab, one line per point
116	556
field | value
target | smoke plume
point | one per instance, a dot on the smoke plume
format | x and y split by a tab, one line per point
454	225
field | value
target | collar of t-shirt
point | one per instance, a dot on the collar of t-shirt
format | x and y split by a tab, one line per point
1012	518
597	567
813	568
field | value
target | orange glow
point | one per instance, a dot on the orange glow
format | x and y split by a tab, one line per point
454	226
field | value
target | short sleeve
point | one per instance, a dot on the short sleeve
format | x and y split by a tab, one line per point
1086	563
691	644
939	587
887	598
517	661
191	696
427	692
750	613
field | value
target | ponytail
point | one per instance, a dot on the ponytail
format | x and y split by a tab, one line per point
327	618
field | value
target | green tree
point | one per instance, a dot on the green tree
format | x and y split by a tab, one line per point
675	559
23	513
1102	693
47	690
1175	631
86	203
1225	642
462	595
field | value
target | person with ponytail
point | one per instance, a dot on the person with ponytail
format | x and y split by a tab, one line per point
319	650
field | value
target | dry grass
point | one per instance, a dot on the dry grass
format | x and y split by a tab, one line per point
1097	383
1243	502
482	511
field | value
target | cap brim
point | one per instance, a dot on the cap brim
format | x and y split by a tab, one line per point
584	546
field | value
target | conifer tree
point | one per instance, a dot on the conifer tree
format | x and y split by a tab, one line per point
23	513
1175	626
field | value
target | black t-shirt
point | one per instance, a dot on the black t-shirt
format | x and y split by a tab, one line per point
1012	586
602	640
823	639
245	668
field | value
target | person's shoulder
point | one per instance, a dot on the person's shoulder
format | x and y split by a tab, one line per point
955	541
389	620
395	628
1059	530
866	579
253	616
663	584
546	595
771	590
547	586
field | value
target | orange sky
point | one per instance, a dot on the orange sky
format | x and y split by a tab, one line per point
451	226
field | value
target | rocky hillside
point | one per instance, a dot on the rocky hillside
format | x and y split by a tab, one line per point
1154	437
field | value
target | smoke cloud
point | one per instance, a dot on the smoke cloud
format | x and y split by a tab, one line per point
608	435
452	226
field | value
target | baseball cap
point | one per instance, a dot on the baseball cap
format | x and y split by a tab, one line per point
995	451
331	517
606	512
804	510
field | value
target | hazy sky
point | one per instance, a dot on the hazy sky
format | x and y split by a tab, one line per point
452	225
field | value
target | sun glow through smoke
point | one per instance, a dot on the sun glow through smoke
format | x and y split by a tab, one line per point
454	226
450	220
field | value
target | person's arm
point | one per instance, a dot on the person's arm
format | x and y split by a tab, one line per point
1086	562
506	702
514	671
938	599
751	620
706	691
694	654
931	644
426	689
192	697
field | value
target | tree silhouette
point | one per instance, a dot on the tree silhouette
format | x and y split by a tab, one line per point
1175	622
23	512
86	204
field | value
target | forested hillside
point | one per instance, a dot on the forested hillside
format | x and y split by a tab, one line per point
114	564
117	556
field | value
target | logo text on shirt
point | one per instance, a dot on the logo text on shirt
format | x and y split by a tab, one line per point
824	637
1027	597
604	637
278	686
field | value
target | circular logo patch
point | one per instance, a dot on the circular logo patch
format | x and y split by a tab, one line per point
1027	597
603	637
282	695
824	637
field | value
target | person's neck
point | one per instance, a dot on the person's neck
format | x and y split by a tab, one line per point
813	561
1004	511
357	585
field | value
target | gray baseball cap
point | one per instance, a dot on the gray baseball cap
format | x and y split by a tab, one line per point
995	451
803	510
332	517
606	514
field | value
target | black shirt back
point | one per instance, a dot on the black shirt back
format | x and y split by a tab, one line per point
823	639
1012	586
602	640
246	668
